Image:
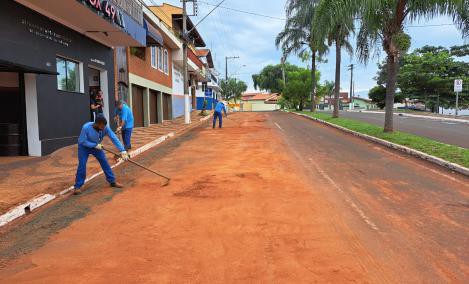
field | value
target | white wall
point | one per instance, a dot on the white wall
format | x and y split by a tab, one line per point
264	107
105	88
178	82
34	144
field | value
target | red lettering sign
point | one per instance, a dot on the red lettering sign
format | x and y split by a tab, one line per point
109	10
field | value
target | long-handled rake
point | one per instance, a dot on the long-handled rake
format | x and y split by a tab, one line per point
167	179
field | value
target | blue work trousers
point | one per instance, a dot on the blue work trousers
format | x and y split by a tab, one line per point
126	136
220	118
83	153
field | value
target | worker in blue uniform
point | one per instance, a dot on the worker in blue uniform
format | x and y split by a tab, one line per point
218	109
126	123
89	143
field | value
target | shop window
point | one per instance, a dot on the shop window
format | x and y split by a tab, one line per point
154	57
165	62
160	58
69	75
138	51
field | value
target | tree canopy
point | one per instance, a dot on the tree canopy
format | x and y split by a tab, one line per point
271	77
232	89
428	75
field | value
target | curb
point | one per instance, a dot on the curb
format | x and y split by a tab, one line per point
418	116
432	159
42	199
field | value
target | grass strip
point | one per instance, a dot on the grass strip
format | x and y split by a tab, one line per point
447	152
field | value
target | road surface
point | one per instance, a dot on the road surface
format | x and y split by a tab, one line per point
270	198
453	133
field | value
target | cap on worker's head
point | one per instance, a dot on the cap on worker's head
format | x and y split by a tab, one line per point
101	120
119	103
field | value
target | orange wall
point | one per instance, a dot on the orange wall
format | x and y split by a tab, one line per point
143	68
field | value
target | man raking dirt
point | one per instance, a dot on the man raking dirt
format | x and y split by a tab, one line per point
217	114
89	143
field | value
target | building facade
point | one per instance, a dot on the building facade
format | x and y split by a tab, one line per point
51	58
208	90
171	16
151	73
259	102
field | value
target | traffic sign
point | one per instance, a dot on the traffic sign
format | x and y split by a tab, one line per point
457	86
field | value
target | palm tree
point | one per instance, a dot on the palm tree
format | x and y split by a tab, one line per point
383	22
297	33
336	29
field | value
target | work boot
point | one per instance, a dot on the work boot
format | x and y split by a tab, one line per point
77	191
116	185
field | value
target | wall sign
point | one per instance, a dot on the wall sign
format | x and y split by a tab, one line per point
94	60
46	33
109	10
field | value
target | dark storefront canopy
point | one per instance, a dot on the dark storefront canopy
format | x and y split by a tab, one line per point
154	36
6	66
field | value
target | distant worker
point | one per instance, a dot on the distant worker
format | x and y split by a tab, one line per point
89	143
125	124
218	109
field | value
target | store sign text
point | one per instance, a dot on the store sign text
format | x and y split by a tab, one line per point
109	10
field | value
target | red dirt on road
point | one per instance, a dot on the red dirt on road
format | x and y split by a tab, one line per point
239	208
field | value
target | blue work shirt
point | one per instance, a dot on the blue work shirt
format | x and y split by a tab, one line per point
89	137
220	107
125	114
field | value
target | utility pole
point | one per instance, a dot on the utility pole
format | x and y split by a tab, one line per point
226	65
187	115
351	105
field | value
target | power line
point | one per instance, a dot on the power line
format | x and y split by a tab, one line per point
433	25
244	12
283	19
218	5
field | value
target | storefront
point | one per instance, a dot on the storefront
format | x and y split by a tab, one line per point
52	57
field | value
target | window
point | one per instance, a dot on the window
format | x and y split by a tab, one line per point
69	75
160	58
165	62
154	57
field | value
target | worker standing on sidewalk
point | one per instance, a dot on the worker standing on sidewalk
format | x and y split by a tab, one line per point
89	143
126	123
218	109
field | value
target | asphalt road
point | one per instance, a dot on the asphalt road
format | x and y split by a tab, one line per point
276	198
453	133
417	214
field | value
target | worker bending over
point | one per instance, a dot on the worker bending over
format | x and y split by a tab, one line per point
89	143
218	109
126	123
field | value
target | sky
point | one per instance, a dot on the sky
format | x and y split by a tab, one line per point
252	38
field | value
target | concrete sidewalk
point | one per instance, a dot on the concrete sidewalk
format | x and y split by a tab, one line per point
23	178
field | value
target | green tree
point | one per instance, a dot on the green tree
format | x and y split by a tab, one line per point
336	29
428	74
383	22
378	96
271	77
460	51
325	90
298	88
232	89
297	37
